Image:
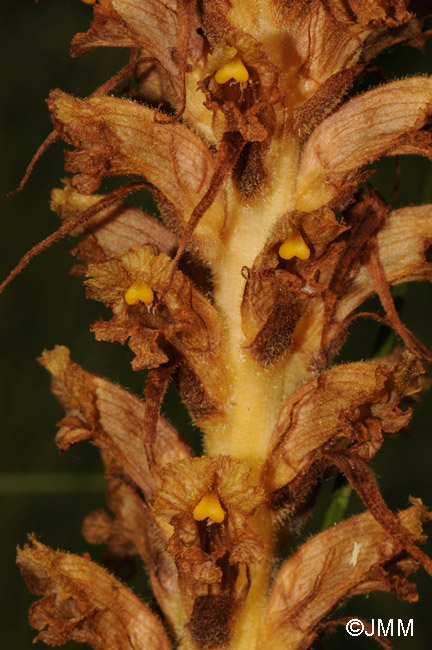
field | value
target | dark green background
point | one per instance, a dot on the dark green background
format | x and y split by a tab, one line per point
44	492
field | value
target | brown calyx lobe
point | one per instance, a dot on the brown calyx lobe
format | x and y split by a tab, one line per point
200	404
209	624
213	15
249	173
284	308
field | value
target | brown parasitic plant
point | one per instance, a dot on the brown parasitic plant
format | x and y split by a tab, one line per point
245	121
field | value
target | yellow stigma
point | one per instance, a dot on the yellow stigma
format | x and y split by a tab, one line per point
234	69
209	506
89	2
294	246
139	291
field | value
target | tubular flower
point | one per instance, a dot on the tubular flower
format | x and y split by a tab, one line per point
247	123
209	504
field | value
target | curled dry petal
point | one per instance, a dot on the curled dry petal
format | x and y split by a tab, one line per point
380	122
184	318
134	530
164	37
116	137
125	533
131	24
345	258
325	49
410	33
154	27
112	419
325	46
389	12
347	406
404	244
81	602
353	557
113	230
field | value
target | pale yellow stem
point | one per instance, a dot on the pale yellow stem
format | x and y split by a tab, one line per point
257	393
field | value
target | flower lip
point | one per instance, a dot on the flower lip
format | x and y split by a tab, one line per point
139	292
210	507
233	69
294	246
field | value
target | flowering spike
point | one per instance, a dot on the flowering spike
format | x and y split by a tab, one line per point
294	246
209	506
139	292
264	165
233	69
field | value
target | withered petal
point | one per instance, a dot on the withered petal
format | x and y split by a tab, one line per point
403	244
410	33
325	46
82	602
113	230
130	531
389	12
327	43
134	530
155	27
376	123
353	557
111	418
116	136
348	405
142	341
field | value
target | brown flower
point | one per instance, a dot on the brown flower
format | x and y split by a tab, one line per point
353	557
197	546
347	407
83	603
183	320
